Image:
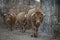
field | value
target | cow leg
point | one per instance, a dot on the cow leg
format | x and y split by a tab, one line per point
28	24
23	29
35	32
24	26
8	26
20	27
11	27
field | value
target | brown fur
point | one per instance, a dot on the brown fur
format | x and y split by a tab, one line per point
35	19
10	20
21	20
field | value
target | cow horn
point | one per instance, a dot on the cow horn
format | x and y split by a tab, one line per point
43	14
32	14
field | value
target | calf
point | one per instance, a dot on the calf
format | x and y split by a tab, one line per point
10	19
21	19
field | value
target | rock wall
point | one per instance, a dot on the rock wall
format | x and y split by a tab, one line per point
48	7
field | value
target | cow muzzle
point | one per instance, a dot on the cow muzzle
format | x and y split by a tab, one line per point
37	24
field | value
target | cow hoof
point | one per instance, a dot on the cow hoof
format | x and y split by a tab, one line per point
20	30
31	35
35	36
23	31
10	30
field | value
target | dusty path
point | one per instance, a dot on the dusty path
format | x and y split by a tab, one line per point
16	35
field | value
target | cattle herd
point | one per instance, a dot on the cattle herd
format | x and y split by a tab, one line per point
33	19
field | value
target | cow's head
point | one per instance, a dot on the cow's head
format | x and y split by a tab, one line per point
7	17
38	17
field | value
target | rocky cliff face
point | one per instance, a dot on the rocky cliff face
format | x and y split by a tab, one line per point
49	8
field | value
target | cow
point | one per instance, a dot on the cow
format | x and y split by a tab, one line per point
21	20
34	18
10	19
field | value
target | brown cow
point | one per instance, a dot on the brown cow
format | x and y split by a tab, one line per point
21	19
35	17
10	19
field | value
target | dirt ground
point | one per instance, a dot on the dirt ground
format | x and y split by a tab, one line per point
17	35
